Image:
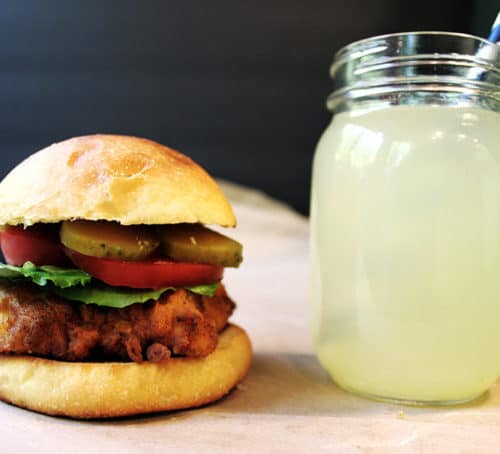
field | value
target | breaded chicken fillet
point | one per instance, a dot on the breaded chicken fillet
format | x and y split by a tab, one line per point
43	324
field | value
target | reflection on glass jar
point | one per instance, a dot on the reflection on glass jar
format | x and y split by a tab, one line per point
405	219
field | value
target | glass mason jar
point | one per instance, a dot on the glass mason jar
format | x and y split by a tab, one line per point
405	219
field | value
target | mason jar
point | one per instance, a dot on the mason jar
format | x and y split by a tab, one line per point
405	219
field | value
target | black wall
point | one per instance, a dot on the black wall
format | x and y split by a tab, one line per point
237	85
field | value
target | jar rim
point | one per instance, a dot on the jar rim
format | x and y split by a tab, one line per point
361	41
416	68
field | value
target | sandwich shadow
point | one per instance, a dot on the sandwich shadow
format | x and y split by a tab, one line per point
292	384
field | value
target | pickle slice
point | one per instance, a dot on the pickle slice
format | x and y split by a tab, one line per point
109	239
196	243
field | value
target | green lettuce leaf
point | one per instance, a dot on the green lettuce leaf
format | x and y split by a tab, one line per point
105	295
119	297
42	275
76	285
205	290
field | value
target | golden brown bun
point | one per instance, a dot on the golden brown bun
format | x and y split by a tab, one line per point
101	390
114	178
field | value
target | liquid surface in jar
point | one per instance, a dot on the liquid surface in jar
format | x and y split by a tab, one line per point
405	252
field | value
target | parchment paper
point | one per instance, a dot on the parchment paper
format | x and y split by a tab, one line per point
287	404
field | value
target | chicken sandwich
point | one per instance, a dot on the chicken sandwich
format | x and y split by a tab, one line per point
111	301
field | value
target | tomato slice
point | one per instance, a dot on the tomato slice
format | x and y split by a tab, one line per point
154	273
38	244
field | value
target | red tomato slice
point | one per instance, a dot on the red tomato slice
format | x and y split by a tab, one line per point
154	273
38	244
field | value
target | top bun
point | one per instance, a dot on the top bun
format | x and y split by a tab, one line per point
114	178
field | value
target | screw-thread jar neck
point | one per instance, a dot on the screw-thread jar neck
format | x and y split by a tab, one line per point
416	68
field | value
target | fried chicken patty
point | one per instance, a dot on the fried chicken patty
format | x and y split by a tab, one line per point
39	323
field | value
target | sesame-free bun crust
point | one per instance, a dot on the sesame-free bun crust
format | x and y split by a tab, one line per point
115	178
103	390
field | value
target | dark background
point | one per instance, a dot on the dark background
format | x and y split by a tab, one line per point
237	85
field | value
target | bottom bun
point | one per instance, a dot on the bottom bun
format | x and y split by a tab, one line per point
104	390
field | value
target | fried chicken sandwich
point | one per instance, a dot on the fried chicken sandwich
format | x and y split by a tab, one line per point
111	301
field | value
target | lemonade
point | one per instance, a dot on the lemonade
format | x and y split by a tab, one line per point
405	252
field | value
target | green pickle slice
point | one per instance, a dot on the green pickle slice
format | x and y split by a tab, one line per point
196	243
109	239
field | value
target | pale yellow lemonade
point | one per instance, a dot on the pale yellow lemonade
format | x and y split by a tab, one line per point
405	252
